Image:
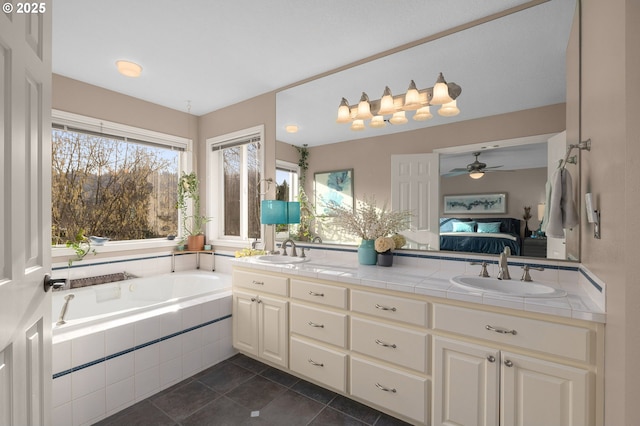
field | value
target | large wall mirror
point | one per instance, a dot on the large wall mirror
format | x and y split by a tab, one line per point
519	73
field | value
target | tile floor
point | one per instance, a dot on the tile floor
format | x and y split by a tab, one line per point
243	391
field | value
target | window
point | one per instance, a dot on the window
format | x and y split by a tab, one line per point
235	172
113	181
286	181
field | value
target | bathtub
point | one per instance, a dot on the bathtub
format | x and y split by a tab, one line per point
125	341
136	298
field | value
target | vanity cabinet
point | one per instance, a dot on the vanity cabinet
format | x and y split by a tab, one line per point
260	317
424	359
490	383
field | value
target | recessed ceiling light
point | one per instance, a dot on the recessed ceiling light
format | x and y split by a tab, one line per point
130	69
291	128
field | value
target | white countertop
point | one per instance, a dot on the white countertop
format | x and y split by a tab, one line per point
433	279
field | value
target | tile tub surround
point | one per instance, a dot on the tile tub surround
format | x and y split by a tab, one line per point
429	275
103	372
242	390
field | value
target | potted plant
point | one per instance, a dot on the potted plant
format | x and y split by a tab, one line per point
193	224
81	246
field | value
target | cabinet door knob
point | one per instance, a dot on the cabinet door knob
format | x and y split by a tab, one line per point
379	386
386	345
508	363
313	324
253	299
317	364
500	330
385	308
491	358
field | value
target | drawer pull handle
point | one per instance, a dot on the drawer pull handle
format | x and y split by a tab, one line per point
500	330
386	345
258	282
313	293
317	364
491	358
385	308
508	363
313	324
379	386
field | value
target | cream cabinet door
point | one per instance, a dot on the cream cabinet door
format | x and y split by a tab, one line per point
465	384
536	392
245	322
273	330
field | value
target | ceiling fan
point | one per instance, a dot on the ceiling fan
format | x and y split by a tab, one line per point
475	170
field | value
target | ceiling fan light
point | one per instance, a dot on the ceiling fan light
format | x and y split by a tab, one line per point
377	122
440	92
450	109
398	117
412	98
423	114
357	125
386	103
344	114
364	108
476	174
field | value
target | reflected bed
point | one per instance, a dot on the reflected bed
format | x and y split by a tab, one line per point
486	235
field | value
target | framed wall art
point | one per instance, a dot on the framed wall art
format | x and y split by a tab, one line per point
333	187
475	203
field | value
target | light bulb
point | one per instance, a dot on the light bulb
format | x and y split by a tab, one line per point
449	109
344	113
364	108
411	98
386	103
440	92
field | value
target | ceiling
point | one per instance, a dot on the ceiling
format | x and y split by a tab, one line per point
213	54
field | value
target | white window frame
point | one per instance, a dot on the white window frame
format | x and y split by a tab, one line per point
292	167
80	123
215	201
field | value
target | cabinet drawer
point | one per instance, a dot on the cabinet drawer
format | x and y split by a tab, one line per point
393	389
551	338
319	293
398	345
261	282
329	327
321	364
389	307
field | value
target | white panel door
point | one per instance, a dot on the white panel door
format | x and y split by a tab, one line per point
25	216
556	150
415	186
245	322
536	392
465	384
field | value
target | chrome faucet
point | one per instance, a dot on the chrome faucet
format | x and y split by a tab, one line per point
503	265
294	253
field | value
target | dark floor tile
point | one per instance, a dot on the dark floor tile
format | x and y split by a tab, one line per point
331	417
143	413
221	412
291	408
248	363
315	392
256	392
225	376
387	420
355	409
185	400
279	376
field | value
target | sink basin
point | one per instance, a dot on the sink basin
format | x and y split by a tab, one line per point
277	259
507	287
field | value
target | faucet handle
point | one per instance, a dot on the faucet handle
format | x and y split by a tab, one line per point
302	254
483	271
525	272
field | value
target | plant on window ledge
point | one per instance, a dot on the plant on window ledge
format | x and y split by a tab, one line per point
81	245
192	225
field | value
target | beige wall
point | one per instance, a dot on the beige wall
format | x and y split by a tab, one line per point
370	158
611	171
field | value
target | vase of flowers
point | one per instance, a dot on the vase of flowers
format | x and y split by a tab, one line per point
386	245
369	222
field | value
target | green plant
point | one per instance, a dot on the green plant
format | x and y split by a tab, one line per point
188	190
303	163
81	245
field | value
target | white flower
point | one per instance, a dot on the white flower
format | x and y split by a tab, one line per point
383	244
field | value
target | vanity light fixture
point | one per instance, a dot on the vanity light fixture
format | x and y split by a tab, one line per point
442	93
128	68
